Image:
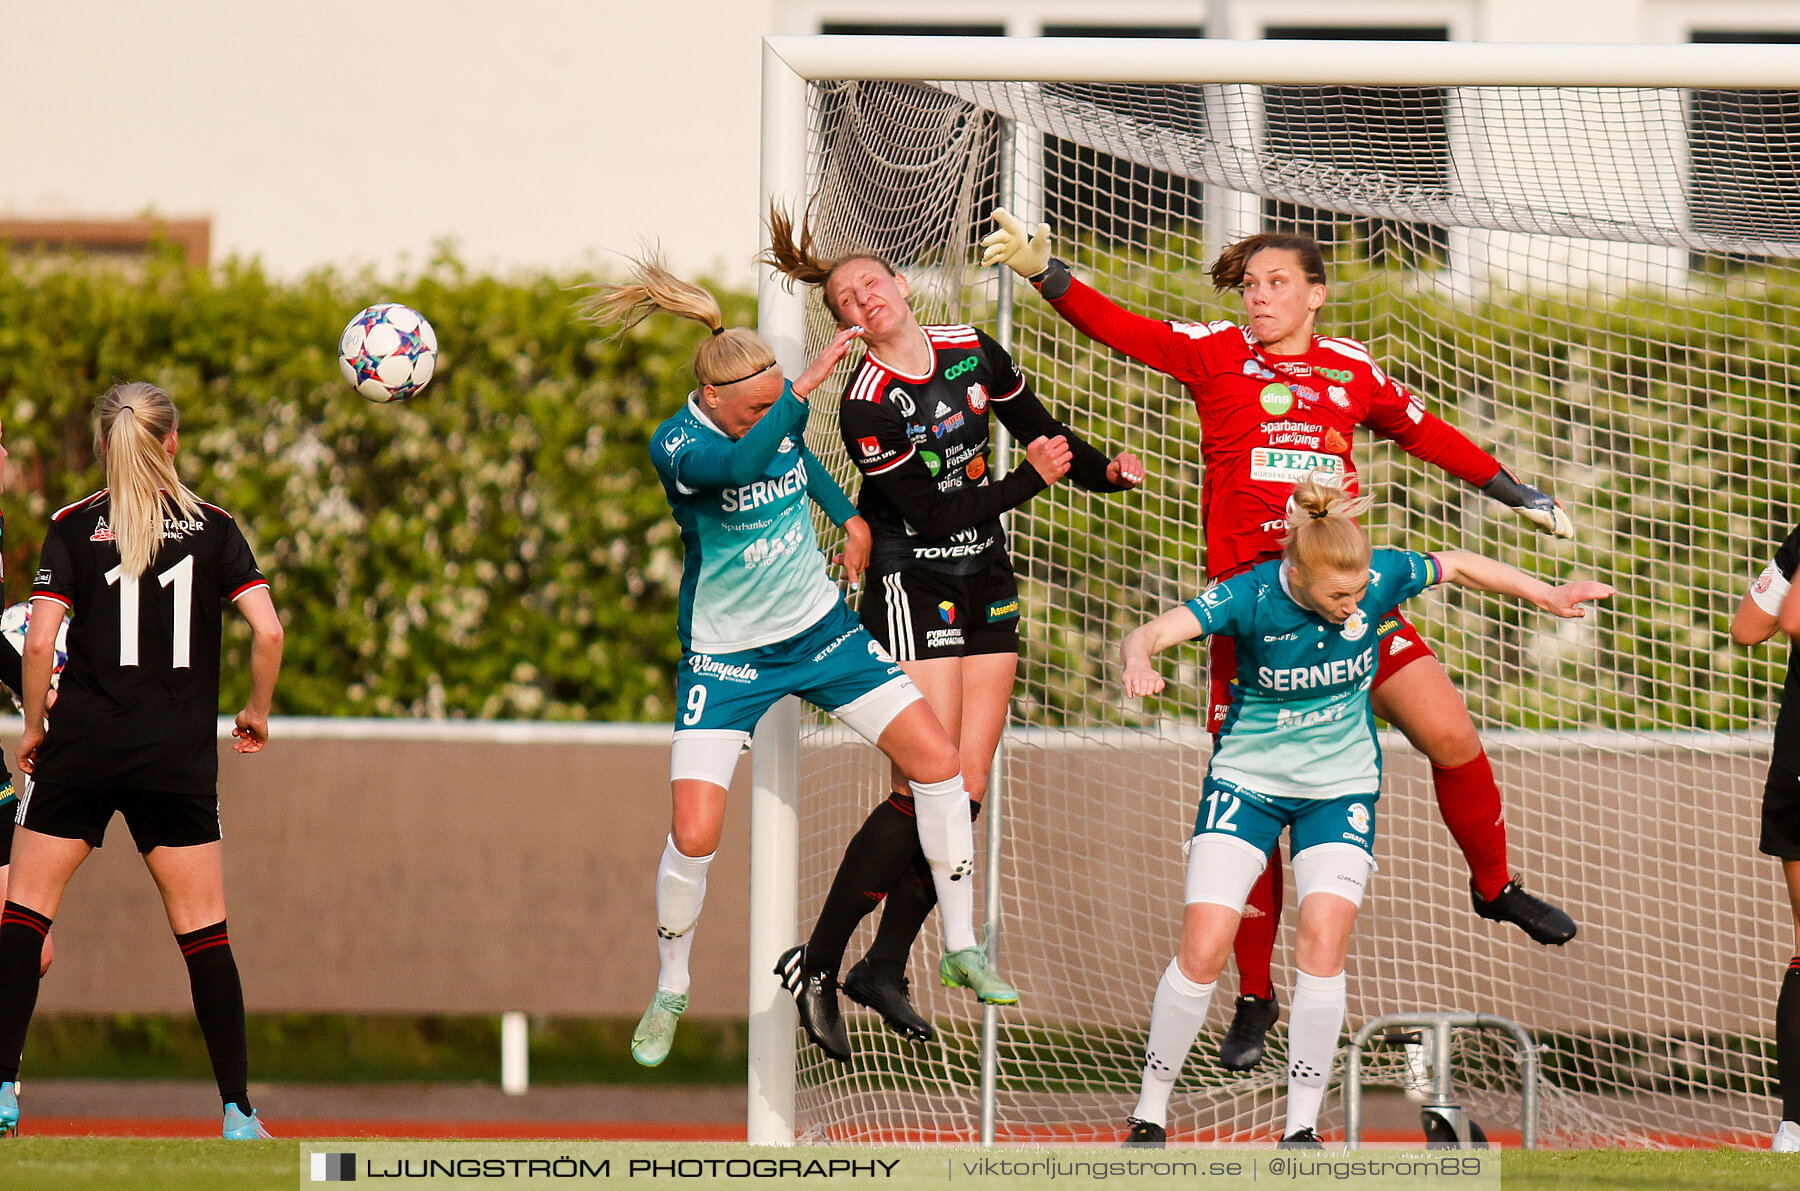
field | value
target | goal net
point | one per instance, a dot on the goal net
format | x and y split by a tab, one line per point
1598	284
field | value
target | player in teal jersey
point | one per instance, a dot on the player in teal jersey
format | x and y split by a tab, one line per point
1298	750
760	619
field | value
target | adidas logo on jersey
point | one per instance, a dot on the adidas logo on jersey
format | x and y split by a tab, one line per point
101	532
942	411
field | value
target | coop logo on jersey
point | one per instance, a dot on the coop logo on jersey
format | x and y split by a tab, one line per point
947	611
1339	395
101	532
1290	467
870	447
978	397
1341	375
1359	818
1356	627
966	364
1276	399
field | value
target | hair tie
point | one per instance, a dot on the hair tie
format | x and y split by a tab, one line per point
1320	516
718	330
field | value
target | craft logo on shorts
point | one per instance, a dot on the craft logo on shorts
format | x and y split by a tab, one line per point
1003	610
977	467
978	397
1359	818
1276	399
333	1168
868	446
1356	626
966	364
101	532
947	611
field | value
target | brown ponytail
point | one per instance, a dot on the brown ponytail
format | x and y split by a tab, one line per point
794	253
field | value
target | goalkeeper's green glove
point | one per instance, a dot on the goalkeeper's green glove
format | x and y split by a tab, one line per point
1540	508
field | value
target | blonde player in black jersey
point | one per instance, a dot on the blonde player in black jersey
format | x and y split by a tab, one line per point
145	566
941	595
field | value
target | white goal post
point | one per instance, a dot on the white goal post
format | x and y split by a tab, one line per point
1586	267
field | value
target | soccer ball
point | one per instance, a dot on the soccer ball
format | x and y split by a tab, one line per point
13	624
388	352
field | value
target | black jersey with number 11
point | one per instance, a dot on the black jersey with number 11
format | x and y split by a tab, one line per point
138	704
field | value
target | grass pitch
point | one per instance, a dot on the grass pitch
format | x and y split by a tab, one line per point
125	1164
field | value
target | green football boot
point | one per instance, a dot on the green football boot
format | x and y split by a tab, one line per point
969	968
655	1034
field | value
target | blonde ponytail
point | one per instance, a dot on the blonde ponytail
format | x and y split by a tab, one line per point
131	423
725	356
1322	533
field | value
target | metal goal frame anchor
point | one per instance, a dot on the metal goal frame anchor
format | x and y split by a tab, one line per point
1440	1025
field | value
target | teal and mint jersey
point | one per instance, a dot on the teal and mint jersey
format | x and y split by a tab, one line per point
753	573
1300	724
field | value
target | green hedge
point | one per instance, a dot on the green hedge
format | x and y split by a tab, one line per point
499	547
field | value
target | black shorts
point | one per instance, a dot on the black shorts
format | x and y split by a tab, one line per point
157	818
918	614
1781	813
9	806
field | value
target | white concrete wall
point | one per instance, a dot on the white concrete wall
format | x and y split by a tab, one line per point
530	133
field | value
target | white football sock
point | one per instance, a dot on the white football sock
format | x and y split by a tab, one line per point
1175	1019
948	839
680	892
1314	1019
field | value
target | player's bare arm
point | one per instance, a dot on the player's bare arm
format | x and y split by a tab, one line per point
1568	600
1173	627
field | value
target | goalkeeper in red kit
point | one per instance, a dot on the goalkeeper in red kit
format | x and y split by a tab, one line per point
1278	402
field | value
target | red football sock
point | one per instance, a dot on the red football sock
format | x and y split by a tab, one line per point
1256	933
1469	802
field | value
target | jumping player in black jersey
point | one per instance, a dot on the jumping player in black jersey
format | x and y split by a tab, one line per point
941	593
145	566
1773	602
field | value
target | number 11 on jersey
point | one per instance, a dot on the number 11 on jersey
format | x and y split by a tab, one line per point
181	577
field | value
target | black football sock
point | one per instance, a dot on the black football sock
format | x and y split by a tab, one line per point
878	853
219	1005
1787	1041
909	904
22	934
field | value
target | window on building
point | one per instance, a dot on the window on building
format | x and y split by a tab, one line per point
1744	158
1401	133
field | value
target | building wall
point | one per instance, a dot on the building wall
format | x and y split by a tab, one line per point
532	134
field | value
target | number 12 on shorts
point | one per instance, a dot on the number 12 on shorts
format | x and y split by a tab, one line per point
181	577
1214	800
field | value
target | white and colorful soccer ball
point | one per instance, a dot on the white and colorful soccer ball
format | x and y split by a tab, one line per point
388	352
17	619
